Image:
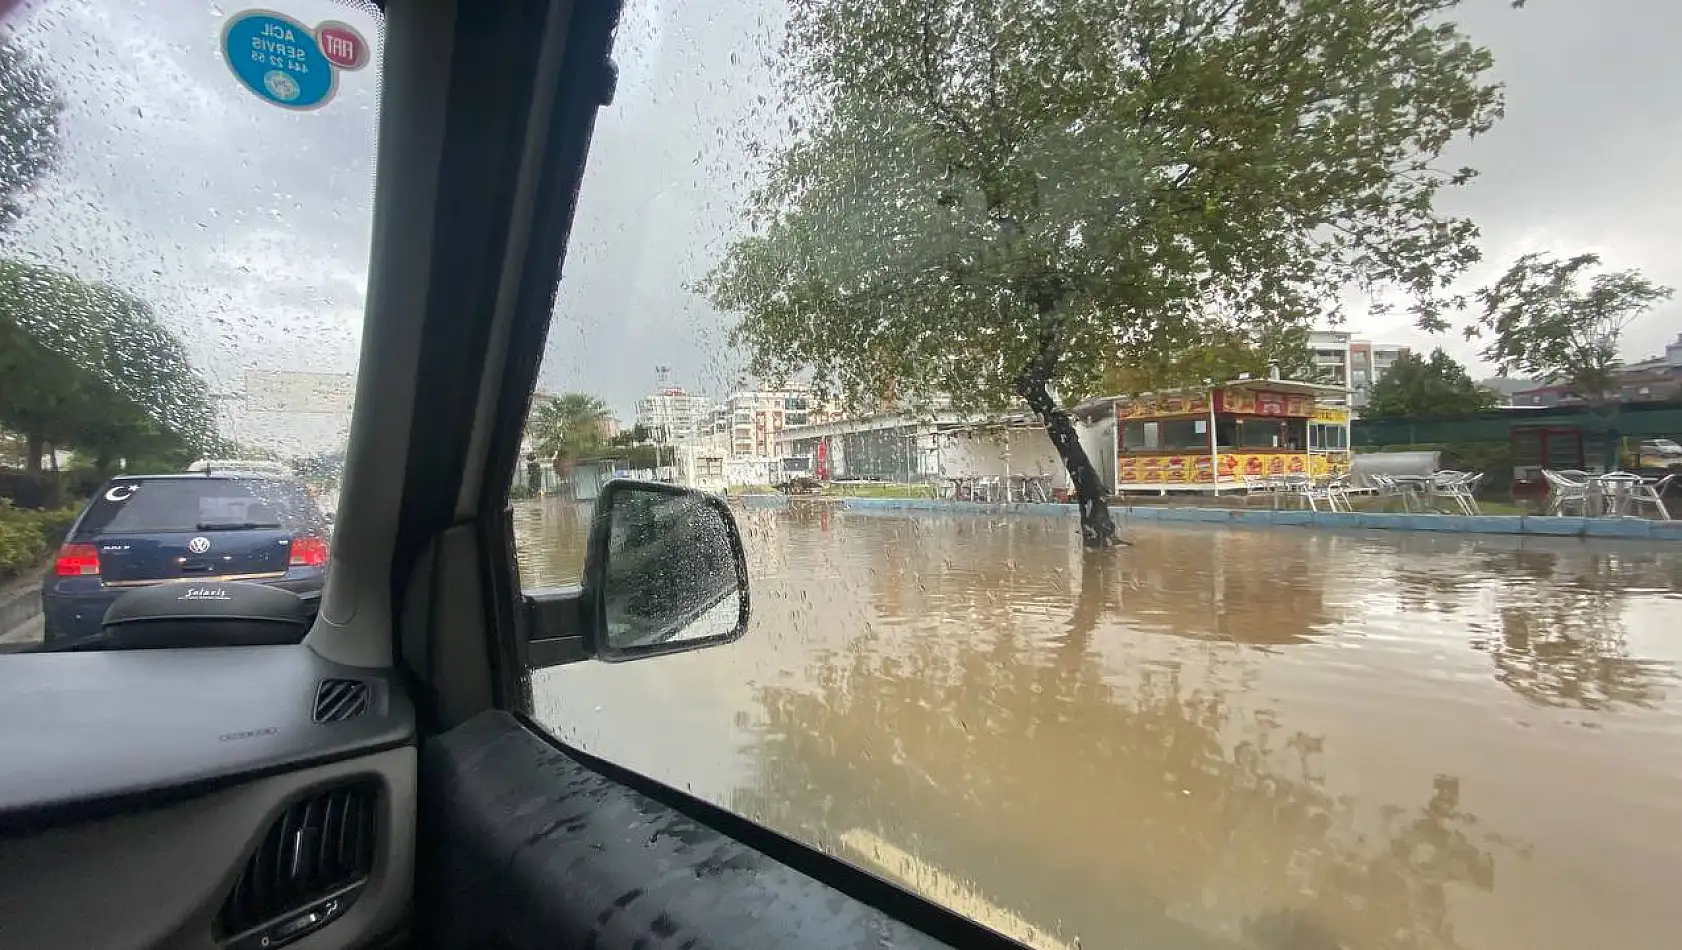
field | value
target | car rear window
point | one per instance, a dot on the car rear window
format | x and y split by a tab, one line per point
189	504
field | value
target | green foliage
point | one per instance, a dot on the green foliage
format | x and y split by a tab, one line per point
88	366
1434	388
323	470
986	194
29	135
569	426
635	435
1223	355
233	449
1542	320
27	536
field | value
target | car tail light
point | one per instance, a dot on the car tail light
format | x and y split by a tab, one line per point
77	560
309	551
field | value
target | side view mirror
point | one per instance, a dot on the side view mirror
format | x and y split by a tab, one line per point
664	572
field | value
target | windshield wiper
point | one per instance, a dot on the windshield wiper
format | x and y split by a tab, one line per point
236	525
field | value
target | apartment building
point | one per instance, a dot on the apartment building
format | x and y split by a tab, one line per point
1352	362
672	414
753	418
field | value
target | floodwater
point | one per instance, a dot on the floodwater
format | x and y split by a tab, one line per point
1215	738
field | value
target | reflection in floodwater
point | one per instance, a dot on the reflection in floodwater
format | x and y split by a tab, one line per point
1214	738
1161	796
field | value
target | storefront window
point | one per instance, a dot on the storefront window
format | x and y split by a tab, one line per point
1261	432
1329	436
1168	435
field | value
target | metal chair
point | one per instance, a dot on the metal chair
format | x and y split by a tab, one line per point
1651	493
1616	491
1254	485
1337	488
1312	491
1565	492
1461	488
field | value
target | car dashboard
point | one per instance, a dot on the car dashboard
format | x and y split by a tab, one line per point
215	797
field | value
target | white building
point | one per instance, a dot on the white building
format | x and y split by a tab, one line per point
293	413
906	449
1355	363
753	419
673	414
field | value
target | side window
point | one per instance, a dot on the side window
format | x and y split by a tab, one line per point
890	277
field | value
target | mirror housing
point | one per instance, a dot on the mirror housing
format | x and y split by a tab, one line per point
664	572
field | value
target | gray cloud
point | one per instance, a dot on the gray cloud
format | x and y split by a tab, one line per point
247	226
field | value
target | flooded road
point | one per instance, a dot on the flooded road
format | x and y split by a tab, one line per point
1260	738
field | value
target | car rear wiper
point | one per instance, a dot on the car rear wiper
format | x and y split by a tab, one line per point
236	525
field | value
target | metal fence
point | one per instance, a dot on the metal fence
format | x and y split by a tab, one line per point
1626	419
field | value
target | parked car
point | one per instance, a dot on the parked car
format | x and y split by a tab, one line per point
155	529
1662	447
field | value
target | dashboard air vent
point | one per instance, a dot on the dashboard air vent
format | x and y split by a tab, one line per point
338	700
318	846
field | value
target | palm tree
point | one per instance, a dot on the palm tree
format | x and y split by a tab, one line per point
568	426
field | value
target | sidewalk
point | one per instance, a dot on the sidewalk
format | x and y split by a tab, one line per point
20	611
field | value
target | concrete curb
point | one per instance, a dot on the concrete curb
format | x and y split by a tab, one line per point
20	602
1636	528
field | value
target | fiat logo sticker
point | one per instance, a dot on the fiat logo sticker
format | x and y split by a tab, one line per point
199	545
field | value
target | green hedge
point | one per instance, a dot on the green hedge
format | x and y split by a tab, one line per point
27	535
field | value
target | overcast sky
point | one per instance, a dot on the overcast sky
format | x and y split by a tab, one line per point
247	225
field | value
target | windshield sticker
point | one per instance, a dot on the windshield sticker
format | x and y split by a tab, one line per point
120	493
286	63
342	45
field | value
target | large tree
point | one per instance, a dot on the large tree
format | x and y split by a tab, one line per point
1434	388
1559	321
29	138
1223	355
997	200
88	366
569	426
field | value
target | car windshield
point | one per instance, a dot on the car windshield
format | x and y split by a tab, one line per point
1119	401
186	207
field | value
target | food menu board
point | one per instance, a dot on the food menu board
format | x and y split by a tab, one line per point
1258	402
1165	470
1163	407
1199	469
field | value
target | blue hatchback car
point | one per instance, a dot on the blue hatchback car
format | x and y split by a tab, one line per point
161	529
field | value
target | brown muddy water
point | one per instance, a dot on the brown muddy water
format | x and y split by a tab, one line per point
1262	738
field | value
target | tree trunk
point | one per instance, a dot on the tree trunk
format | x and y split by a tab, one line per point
34	446
1097	528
